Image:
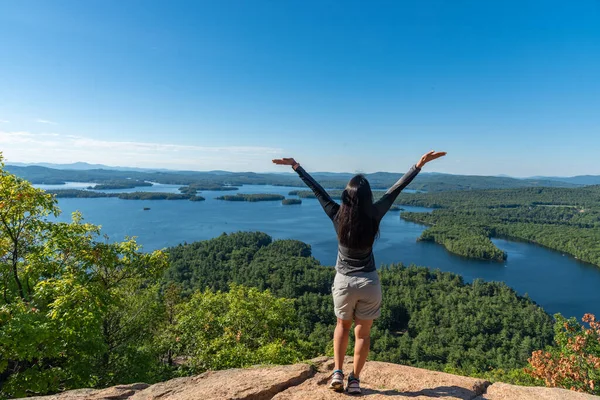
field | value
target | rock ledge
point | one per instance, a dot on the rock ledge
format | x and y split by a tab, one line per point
379	380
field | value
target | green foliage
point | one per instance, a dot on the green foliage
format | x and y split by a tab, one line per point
432	319
76	193
566	220
309	194
80	194
119	184
71	306
286	267
429	318
287	202
239	328
196	187
152	196
252	197
465	241
506	198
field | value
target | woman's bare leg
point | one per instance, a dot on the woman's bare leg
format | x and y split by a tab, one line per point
362	333
340	341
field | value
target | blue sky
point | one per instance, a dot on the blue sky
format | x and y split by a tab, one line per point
506	87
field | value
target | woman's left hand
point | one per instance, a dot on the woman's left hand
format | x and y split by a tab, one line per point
432	155
285	161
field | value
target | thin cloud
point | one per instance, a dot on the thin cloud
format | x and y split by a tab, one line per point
45	121
3	121
57	148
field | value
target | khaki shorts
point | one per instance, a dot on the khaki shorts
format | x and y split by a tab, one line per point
357	296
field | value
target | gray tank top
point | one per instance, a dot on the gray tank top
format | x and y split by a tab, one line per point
352	261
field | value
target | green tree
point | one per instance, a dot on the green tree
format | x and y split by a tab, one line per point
239	328
71	305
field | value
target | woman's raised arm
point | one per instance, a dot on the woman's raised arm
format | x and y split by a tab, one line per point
329	206
383	205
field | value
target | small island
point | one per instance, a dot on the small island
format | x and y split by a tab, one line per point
252	197
82	194
79	194
308	194
119	184
193	188
152	196
50	181
396	208
288	202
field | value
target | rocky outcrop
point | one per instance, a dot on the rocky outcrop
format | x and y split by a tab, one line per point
502	391
251	383
113	393
308	381
381	380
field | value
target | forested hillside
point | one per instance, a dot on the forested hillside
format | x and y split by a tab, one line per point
430	318
566	220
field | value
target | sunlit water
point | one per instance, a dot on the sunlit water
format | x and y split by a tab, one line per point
557	282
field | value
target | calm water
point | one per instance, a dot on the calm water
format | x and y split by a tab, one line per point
556	282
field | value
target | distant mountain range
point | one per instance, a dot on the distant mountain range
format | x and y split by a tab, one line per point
83	166
45	173
577	180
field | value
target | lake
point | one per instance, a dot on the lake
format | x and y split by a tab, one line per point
557	282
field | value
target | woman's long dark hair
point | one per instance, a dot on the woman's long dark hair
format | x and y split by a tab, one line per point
357	227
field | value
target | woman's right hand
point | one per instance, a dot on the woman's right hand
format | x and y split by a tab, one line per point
285	161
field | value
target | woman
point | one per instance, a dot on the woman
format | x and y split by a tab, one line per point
356	289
